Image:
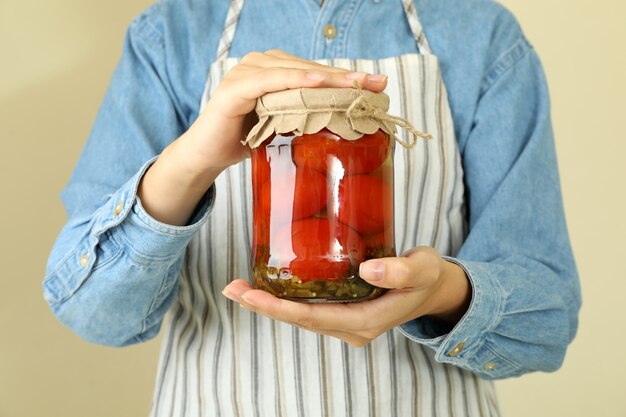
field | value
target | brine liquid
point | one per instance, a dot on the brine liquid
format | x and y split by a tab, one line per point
322	205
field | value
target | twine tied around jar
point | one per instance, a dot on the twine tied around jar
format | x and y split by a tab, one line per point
349	113
361	107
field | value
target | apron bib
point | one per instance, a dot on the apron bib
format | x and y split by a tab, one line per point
218	359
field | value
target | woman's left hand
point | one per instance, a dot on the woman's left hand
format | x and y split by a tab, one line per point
420	283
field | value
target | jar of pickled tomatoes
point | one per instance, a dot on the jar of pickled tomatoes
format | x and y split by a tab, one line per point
322	178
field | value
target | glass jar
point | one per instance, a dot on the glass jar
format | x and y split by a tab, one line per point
322	205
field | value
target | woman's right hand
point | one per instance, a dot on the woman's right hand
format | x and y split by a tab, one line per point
172	187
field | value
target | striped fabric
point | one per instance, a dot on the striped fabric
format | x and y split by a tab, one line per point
416	26
220	360
229	29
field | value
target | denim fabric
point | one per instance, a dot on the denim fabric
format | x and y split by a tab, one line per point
112	273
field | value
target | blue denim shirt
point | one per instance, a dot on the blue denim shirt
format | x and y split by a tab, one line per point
113	272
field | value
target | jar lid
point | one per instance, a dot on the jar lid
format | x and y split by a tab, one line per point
347	112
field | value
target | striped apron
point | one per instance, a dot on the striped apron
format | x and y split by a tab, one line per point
218	359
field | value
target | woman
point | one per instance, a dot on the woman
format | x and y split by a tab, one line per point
159	213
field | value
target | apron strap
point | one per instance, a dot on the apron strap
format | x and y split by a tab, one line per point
416	27
232	17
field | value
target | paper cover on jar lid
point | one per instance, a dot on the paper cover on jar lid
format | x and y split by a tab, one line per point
348	112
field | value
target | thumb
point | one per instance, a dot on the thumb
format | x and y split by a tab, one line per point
418	269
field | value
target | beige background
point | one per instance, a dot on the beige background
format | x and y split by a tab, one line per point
56	60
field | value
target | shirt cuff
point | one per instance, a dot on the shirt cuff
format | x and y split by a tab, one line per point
467	345
145	236
122	225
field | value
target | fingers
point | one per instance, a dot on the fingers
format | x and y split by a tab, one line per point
365	318
250	83
320	317
411	279
277	57
260	73
373	82
350	338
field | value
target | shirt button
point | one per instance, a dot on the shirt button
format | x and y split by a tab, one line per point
118	208
330	31
457	349
83	261
490	366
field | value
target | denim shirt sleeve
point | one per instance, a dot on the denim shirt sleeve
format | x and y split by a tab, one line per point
517	256
113	271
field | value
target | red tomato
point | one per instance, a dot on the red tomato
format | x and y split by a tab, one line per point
307	198
316	249
321	149
260	174
365	204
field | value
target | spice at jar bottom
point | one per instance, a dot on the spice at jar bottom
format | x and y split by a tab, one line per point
322	179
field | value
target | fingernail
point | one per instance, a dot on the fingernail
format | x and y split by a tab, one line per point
313	76
376	78
372	270
230	295
355	75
